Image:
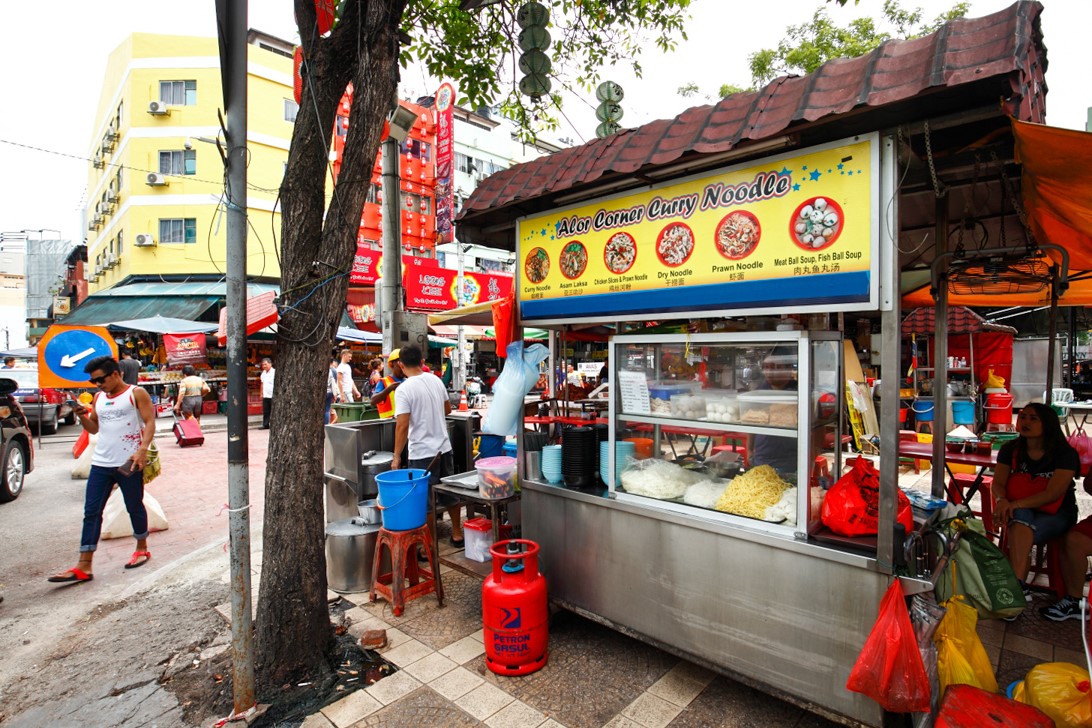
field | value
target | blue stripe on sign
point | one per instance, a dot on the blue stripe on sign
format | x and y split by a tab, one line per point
830	288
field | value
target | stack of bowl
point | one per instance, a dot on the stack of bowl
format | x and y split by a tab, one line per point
578	461
551	463
623	451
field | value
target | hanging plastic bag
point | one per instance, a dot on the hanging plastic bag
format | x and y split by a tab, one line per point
1062	691
984	575
503	310
993	381
1082	443
852	505
518	377
889	669
961	658
925	616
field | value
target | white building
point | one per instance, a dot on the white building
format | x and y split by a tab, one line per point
13	293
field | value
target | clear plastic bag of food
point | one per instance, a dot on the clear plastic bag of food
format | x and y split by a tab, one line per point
658	479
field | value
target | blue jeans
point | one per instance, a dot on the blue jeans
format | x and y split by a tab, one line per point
1047	526
329	403
100	483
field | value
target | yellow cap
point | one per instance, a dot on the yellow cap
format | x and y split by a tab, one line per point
394	356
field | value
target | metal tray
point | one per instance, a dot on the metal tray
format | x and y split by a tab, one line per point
468	480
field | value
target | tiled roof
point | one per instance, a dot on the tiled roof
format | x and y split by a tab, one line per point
1005	47
961	320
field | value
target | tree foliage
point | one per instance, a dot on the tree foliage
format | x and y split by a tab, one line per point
810	45
368	44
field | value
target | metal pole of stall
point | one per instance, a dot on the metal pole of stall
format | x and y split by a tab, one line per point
887	545
232	19
940	354
391	291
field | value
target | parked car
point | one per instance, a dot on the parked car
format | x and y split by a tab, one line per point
44	408
1082	381
16	445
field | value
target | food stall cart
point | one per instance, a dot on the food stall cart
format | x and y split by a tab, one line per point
816	196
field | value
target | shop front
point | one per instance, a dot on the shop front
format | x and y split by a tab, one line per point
746	231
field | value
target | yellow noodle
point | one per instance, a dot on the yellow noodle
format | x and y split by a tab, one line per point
752	493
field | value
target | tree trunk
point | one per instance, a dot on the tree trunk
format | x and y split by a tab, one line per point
292	627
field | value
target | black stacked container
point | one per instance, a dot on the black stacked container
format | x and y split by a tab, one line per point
579	450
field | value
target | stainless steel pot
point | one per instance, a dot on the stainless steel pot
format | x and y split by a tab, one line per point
957	389
350	549
372	463
369	512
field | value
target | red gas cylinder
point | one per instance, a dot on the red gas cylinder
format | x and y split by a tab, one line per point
514	610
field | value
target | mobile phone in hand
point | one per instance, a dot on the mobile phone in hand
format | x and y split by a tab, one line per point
126	469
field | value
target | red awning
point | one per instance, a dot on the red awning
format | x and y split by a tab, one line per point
260	313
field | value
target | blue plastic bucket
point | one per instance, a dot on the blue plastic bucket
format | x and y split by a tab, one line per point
923	410
403	498
963	412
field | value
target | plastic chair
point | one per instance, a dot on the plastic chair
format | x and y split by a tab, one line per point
1060	399
909	436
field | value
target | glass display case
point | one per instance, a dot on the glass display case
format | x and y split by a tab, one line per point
727	426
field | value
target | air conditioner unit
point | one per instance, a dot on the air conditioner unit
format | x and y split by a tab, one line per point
96	162
98	269
157	180
111	260
111	133
144	240
94	278
158	108
108	144
112	197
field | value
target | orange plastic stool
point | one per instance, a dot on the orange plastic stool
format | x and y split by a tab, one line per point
402	548
1046	558
963	481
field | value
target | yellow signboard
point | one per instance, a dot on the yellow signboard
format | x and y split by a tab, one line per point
789	232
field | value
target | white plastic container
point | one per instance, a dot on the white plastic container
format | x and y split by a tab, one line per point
478	533
768	408
496	477
660	394
688	406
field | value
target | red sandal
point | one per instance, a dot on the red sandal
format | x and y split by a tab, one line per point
139	558
71	576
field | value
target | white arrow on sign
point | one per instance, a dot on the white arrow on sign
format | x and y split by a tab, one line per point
70	361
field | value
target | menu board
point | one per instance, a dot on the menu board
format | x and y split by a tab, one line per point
796	231
633	389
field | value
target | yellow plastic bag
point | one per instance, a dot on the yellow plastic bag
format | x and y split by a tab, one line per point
1062	691
993	381
961	658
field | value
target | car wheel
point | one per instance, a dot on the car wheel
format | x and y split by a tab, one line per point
14	472
49	426
70	419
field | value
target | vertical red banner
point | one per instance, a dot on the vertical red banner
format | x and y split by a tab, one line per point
445	162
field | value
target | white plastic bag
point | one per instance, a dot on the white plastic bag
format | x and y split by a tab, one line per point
519	376
115	519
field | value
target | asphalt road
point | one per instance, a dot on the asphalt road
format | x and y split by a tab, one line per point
40	533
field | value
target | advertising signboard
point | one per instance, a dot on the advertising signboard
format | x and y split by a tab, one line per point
445	162
64	351
795	232
185	348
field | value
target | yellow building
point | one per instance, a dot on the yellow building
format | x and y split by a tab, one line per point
155	193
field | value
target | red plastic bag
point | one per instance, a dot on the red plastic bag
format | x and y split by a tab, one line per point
504	323
1082	443
852	505
889	669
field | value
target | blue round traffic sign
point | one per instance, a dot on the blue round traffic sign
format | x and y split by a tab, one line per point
68	352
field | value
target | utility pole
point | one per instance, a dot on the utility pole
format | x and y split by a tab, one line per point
391	287
231	16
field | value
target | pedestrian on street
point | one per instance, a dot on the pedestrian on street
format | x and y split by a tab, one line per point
329	417
383	399
191	390
124	419
9	362
130	368
421	410
267	376
346	387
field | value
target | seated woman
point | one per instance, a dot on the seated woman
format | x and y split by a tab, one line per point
1078	547
1033	485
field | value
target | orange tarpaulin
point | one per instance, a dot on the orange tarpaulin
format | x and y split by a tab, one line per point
1056	189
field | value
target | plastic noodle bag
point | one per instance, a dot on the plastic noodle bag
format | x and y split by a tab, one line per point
961	658
925	616
852	505
889	669
1062	691
518	377
993	381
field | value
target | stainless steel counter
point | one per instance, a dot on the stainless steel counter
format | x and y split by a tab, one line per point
777	612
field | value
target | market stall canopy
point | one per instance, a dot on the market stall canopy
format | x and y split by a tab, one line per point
261	312
452	330
163	325
345	333
31	352
477	314
969	64
961	320
188	300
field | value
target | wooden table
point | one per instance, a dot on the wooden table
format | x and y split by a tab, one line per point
924	451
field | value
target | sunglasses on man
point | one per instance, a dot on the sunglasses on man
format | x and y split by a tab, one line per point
99	380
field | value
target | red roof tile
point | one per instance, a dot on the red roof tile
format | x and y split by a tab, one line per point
1005	44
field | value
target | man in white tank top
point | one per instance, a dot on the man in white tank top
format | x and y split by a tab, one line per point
124	418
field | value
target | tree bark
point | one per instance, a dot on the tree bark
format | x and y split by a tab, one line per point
318	244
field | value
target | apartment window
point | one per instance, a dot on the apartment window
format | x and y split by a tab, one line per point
178	230
291	108
178	93
117	117
417	149
179	161
121	243
341	125
373	194
117	181
462	163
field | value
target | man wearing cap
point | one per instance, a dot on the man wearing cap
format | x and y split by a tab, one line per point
383	398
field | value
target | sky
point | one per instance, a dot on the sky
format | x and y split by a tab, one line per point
56	75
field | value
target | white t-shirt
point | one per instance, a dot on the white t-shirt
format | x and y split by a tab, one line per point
422	397
345	378
267	383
